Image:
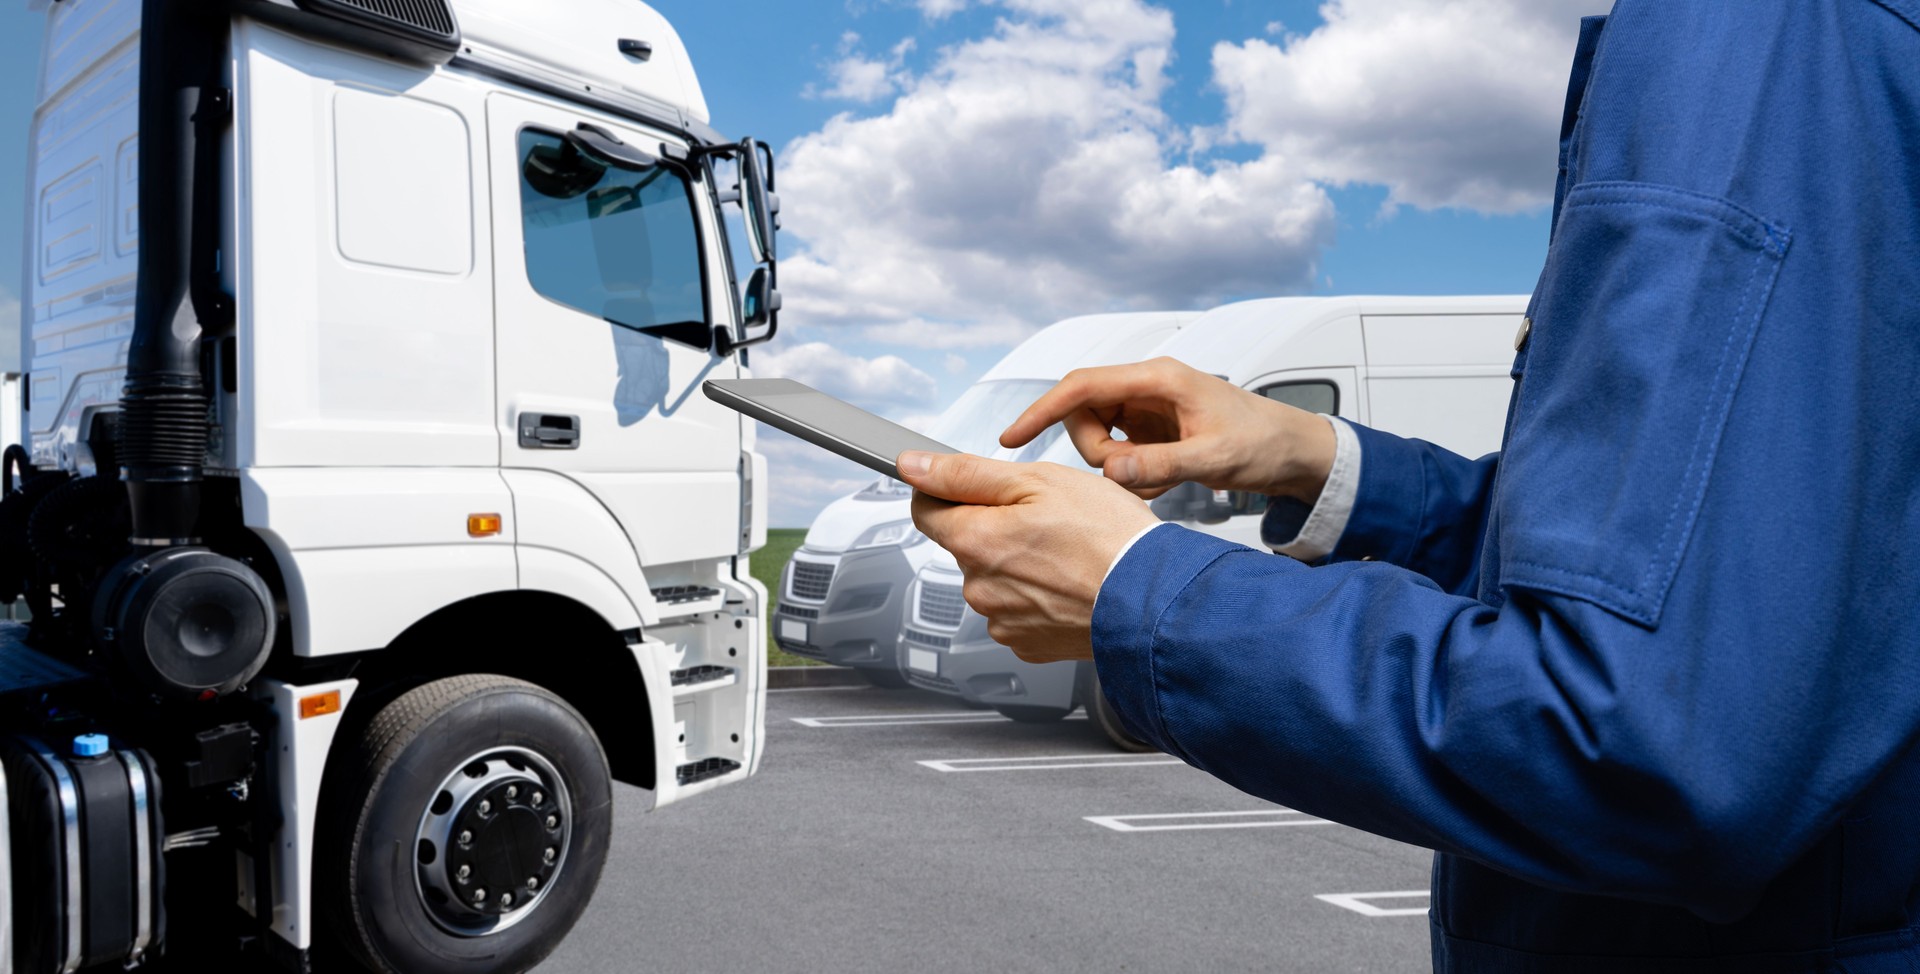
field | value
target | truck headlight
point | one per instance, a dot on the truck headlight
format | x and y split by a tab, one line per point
893	534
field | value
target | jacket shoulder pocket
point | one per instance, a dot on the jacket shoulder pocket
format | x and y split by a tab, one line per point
1646	314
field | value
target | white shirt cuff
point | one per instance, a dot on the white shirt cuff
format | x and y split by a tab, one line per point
1123	552
1328	520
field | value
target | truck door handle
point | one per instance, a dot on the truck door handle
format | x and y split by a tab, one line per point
545	431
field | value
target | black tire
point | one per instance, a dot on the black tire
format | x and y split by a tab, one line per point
884	679
1101	714
379	785
1032	715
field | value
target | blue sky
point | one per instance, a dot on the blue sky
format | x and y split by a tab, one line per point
1193	152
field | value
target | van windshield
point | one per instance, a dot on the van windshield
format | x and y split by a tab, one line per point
975	420
618	244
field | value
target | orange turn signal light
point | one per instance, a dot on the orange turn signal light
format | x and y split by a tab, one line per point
483	525
320	704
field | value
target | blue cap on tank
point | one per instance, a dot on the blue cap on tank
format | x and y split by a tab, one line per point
89	745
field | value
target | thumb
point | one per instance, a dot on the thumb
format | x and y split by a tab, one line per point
963	477
1145	466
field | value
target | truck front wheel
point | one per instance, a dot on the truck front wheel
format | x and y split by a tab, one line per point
463	829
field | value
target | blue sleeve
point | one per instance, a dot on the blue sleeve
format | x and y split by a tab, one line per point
1420	507
1695	642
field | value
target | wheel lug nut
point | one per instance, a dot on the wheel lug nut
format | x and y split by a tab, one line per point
485	806
466	838
553	821
551	855
464	872
533	883
538	798
506	899
513	791
480	896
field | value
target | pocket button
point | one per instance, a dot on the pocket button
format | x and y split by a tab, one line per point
1520	337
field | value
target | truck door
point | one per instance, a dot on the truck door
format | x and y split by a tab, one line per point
606	283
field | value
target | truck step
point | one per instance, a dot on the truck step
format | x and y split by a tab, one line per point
678	594
695	675
702	770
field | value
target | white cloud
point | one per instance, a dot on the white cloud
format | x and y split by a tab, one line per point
939	9
1448	103
1029	175
879	383
859	78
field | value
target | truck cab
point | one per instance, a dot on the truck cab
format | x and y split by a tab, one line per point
1436	368
368	500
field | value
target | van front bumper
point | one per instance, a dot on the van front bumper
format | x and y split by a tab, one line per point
970	665
858	621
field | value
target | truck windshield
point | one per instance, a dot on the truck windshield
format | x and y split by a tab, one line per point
616	243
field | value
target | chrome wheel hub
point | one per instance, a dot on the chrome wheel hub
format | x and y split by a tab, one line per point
492	841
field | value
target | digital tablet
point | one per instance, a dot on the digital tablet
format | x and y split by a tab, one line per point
823	421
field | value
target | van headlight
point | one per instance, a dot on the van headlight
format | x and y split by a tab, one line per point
893	534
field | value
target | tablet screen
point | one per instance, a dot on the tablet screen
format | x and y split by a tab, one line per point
822	420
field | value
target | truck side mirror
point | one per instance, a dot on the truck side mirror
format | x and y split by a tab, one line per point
757	201
759	306
763	300
760	209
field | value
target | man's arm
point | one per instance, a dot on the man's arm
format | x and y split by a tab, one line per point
1704	646
1403	502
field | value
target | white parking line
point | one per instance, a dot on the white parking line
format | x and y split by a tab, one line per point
897	720
905	720
1187	821
1357	902
1056	762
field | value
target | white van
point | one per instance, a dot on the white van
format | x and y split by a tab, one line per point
1436	368
841	597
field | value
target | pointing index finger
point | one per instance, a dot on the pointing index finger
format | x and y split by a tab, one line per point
1093	388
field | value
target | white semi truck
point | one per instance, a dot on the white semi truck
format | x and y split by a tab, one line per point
1436	368
369	517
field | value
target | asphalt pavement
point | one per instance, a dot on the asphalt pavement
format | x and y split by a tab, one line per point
894	830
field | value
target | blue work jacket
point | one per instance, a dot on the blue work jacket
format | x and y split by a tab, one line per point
1648	679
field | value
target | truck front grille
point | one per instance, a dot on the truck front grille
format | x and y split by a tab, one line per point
941	605
811	579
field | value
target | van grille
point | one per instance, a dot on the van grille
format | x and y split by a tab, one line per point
941	605
811	580
929	639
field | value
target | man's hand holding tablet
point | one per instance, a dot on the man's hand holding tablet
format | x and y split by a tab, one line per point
1034	539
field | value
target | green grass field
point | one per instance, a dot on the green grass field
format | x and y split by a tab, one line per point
766	565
